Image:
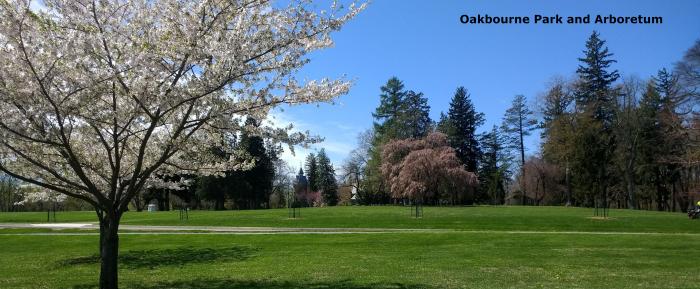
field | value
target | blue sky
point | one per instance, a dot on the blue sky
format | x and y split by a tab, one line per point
424	44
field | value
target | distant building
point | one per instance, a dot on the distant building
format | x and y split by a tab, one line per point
301	189
355	199
301	180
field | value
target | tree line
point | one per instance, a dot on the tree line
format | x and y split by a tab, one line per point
318	185
605	141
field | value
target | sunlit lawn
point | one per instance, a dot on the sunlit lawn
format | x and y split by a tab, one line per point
461	259
461	218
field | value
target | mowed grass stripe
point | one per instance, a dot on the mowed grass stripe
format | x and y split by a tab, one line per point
499	218
58	232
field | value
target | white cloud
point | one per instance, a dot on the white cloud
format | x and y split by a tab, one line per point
336	147
339	138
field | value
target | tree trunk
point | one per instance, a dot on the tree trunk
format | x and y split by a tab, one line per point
568	185
166	201
544	189
631	190
109	251
673	196
659	193
138	202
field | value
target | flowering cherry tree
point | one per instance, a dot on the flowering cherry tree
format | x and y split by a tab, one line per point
34	194
419	169
99	97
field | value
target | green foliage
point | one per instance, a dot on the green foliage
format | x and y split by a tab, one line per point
495	168
499	218
401	114
388	112
593	92
594	140
254	190
460	126
249	189
312	172
518	122
325	178
9	189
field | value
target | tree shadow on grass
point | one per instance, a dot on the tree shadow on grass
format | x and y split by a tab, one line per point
238	284
140	259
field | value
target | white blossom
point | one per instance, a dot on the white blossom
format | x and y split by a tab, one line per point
98	97
34	194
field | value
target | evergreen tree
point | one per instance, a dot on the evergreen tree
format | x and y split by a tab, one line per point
388	113
212	189
460	126
217	188
256	188
653	172
249	189
443	125
495	168
401	114
593	93
312	172
325	177
595	142
518	123
414	117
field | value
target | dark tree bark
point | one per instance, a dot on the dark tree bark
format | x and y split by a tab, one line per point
109	249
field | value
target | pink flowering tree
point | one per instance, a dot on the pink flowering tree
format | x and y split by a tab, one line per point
420	169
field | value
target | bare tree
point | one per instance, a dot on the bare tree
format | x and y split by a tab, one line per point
354	166
627	131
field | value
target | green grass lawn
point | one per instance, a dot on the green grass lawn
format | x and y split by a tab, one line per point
459	259
459	218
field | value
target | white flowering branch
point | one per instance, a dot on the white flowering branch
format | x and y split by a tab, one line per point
97	97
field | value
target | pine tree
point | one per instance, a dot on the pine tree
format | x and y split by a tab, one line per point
257	185
652	145
518	123
312	172
389	110
443	125
401	114
595	142
674	139
414	116
460	126
594	91
325	177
